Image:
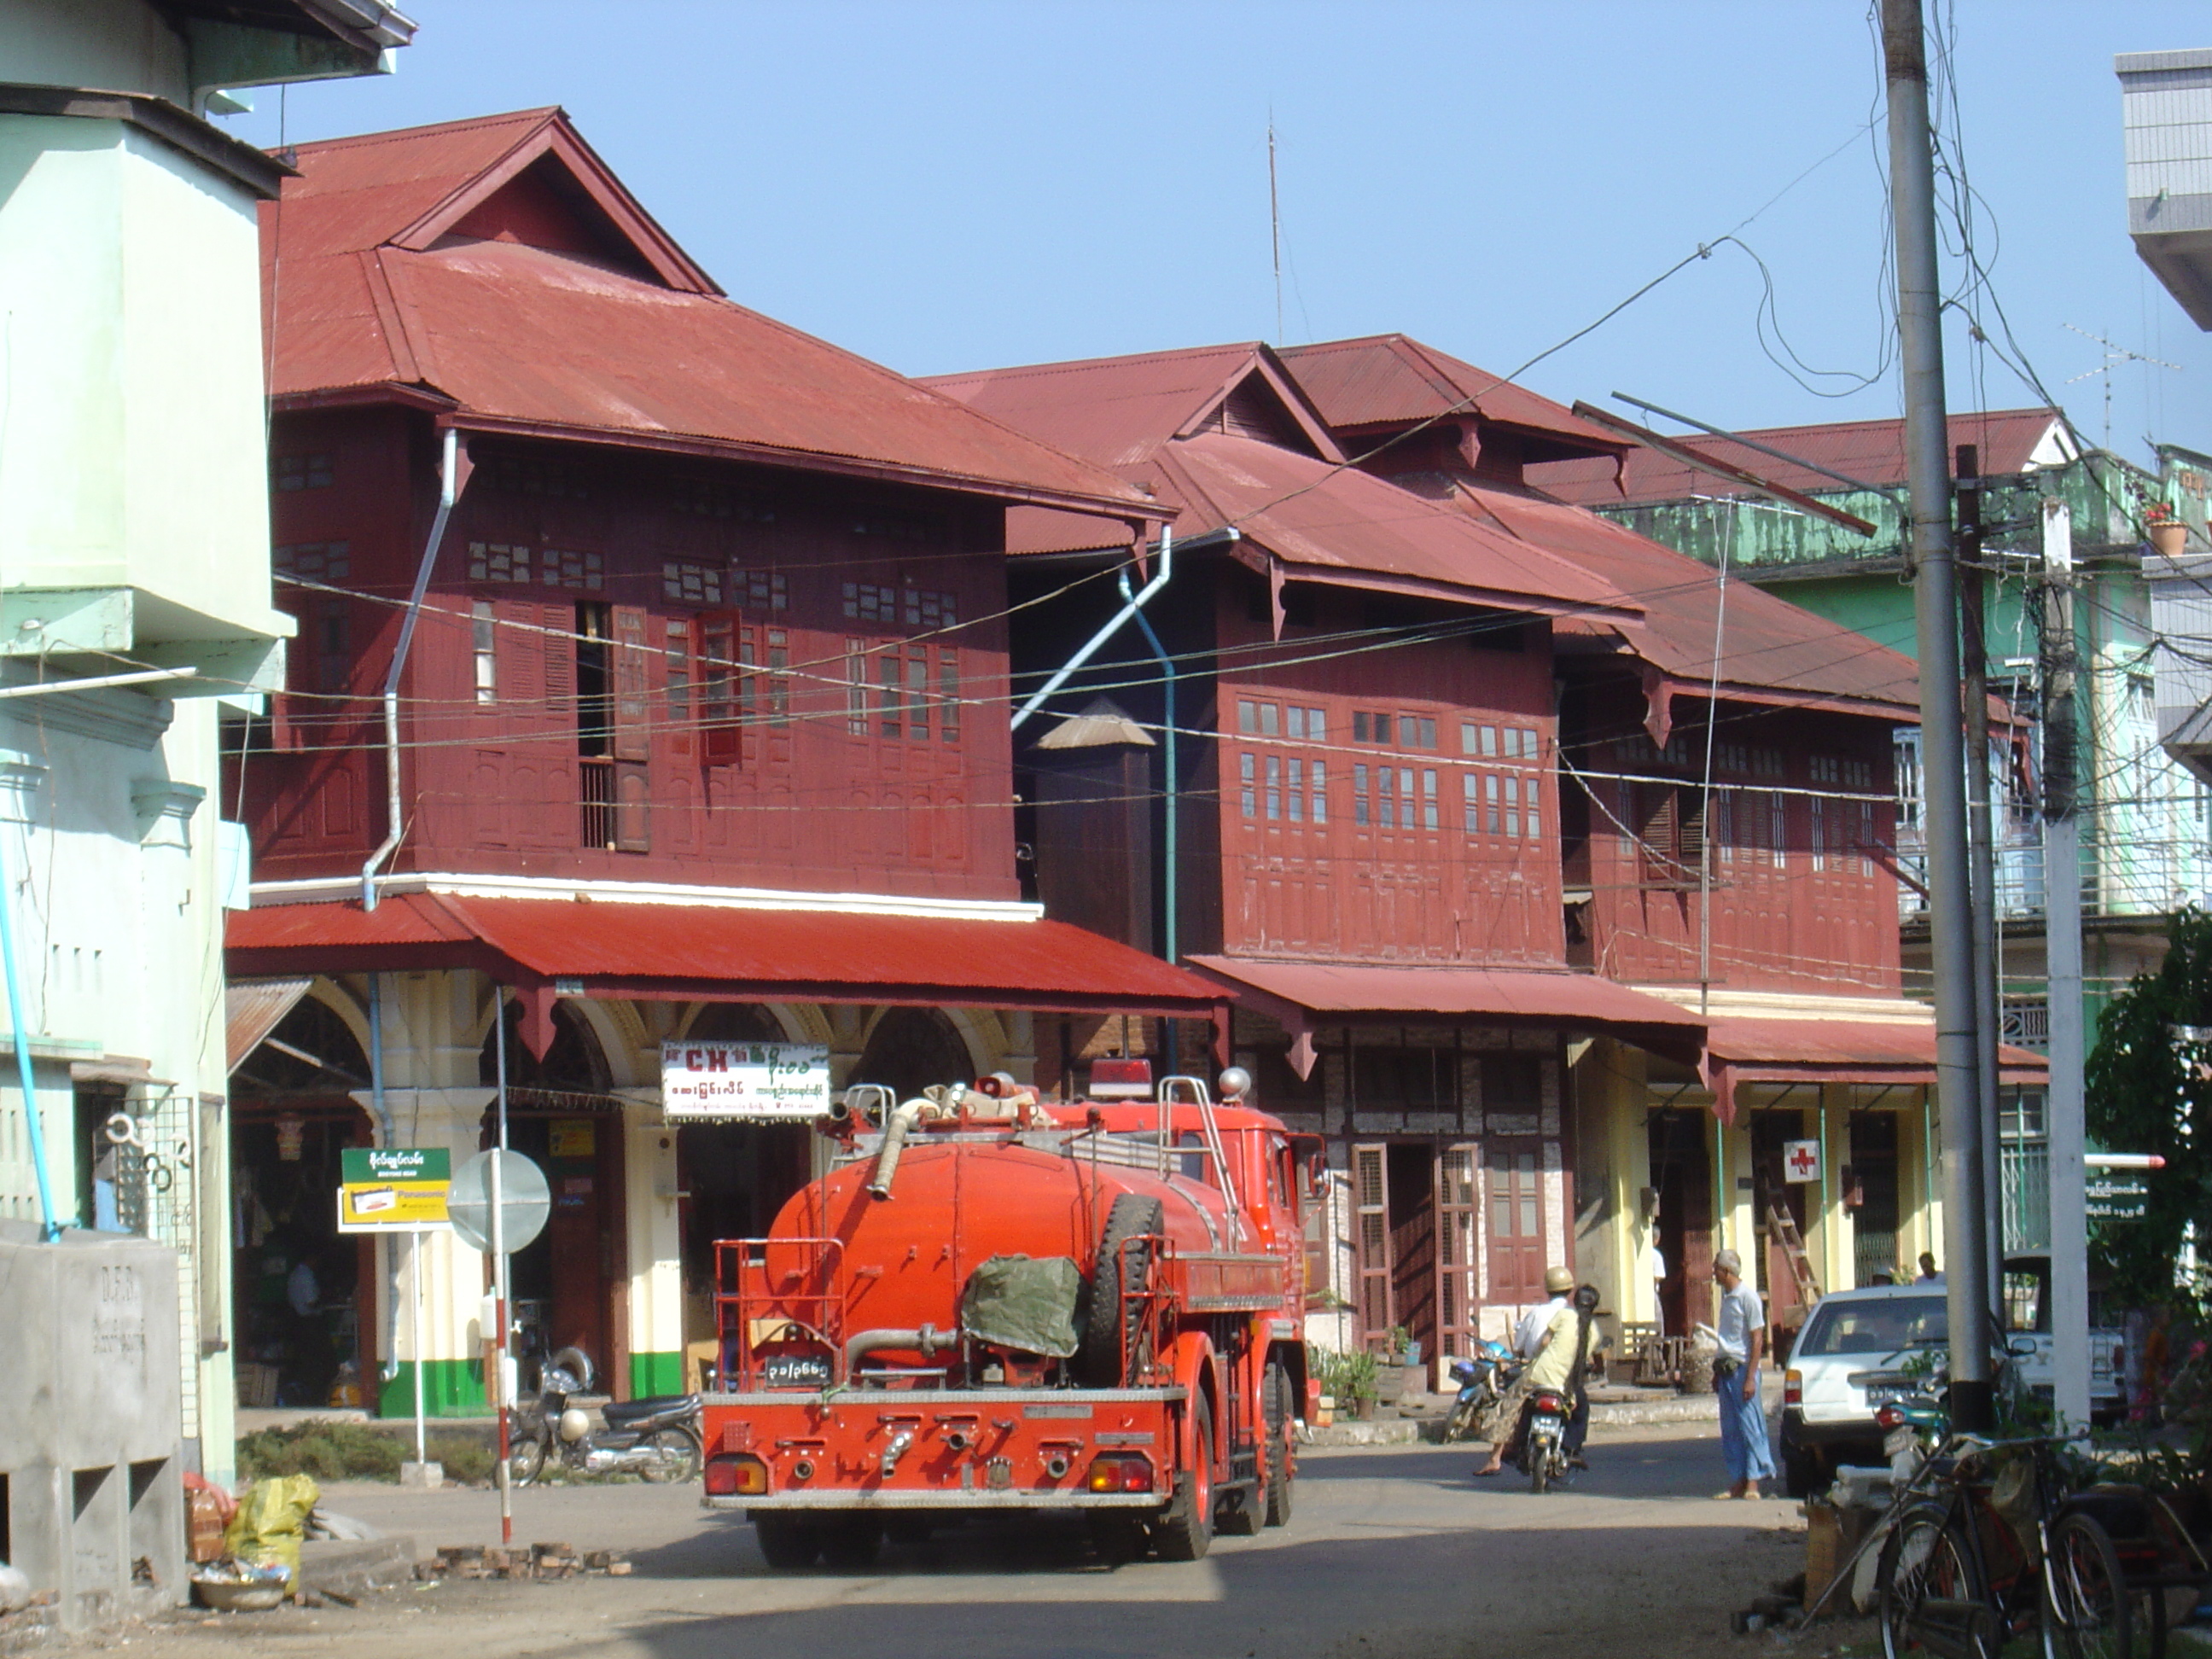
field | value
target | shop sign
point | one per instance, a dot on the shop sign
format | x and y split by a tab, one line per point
573	1137
1800	1160
2116	1197
748	1081
394	1189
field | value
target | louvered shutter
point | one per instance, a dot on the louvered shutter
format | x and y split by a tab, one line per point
630	675
1370	1205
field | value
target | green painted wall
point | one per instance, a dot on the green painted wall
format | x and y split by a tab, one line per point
450	1387
655	1373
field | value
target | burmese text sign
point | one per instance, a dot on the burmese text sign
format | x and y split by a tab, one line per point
393	1189
756	1082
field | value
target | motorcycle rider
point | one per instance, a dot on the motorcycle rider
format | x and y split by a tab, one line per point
1529	1335
1562	1358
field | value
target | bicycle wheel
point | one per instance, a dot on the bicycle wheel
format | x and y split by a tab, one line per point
1922	1560
2086	1600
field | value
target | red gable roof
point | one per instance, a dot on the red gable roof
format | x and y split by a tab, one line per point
497	268
1872	451
1390	379
1157	418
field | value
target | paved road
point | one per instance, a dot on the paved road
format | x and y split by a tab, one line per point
1394	1553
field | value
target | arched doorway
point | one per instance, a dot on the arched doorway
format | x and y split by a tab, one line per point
913	1049
305	1294
570	1285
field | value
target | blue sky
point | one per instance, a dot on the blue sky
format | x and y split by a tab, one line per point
948	186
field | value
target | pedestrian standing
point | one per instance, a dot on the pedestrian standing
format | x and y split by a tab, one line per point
1742	1330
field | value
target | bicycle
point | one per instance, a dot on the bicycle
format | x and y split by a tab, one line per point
2004	1548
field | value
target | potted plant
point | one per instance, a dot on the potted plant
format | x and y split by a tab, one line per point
1360	1384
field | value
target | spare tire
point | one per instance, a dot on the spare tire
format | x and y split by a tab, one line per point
1111	1326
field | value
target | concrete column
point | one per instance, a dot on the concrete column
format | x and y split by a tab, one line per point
656	1266
1612	1170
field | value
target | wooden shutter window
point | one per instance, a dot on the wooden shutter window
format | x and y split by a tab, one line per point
630	676
721	731
519	647
558	642
1371	1204
633	807
1458	1215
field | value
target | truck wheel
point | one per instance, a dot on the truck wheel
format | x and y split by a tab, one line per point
1801	1472
852	1542
788	1543
1282	1442
1185	1532
1110	1328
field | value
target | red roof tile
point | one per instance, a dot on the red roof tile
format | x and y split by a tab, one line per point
1872	451
372	287
1756	1045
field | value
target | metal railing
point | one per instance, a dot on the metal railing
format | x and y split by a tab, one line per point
595	782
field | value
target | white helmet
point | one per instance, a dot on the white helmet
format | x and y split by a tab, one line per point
575	1424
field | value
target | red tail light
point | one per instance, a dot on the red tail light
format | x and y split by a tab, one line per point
1888	1417
1550	1402
736	1474
1120	1471
1793	1388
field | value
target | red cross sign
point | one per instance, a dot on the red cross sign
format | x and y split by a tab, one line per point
1800	1160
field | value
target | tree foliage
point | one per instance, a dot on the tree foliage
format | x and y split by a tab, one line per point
2149	1090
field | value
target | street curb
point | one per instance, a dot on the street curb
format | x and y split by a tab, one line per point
355	1567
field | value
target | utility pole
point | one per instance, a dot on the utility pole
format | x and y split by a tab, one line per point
2062	887
1981	839
1936	606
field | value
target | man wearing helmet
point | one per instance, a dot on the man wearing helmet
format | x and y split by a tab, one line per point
1529	1335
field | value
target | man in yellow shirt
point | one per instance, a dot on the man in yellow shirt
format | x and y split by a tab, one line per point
1551	1370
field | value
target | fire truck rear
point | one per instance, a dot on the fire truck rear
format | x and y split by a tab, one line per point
995	1303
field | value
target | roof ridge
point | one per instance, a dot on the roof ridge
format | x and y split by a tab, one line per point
394	134
1021	371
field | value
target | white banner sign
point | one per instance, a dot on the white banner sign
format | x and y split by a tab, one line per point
1800	1160
755	1082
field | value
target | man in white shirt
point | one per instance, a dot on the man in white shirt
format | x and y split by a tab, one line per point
1742	1330
1529	1335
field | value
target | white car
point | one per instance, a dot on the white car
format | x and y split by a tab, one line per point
2027	1318
1850	1356
1845	1364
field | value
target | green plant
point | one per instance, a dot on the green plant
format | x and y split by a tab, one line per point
1398	1341
464	1459
328	1451
1346	1376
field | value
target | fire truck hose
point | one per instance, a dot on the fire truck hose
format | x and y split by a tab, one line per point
926	1341
898	1123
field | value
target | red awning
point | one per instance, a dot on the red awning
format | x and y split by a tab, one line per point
1300	995
686	951
1835	1051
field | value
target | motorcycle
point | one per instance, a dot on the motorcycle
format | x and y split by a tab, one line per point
657	1438
1544	1447
1482	1381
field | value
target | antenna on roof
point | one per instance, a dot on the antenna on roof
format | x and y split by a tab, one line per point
1275	225
2113	354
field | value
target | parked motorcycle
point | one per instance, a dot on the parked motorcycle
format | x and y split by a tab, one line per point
1482	1381
657	1438
1544	1447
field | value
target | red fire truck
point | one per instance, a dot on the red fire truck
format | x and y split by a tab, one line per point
995	1303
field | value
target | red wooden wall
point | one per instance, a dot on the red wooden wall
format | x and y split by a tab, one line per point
1802	898
741	624
1437	839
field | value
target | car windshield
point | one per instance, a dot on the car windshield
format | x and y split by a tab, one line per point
1881	1325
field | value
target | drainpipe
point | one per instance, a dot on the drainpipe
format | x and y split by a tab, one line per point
1132	605
19	1017
449	490
1170	941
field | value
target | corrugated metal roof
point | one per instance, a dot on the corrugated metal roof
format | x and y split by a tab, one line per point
1392	380
1770	649
1760	1045
1577	1000
799	954
252	1008
1872	451
370	287
1341	526
1116	411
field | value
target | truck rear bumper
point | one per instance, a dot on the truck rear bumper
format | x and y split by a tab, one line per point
919	1499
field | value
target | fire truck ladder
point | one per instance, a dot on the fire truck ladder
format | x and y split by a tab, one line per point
1782	1230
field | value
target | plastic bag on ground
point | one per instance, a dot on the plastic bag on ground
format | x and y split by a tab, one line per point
271	1520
